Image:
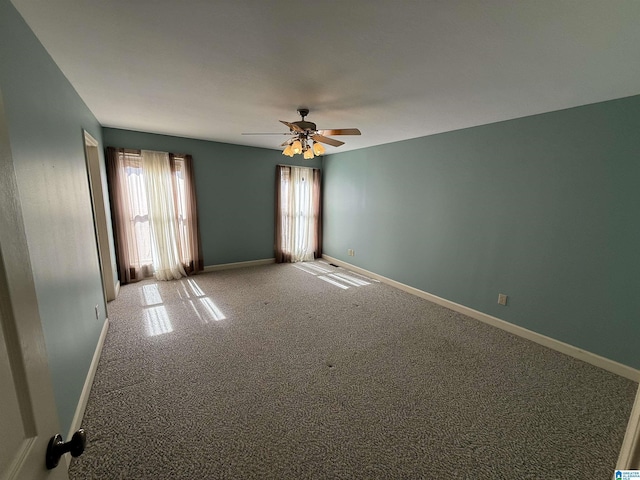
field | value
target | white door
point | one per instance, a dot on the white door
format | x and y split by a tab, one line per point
28	417
629	458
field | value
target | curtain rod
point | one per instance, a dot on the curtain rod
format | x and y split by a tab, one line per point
297	166
134	151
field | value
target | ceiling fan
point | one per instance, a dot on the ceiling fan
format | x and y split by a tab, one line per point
306	139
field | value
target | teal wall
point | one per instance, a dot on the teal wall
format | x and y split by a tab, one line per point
235	188
46	118
545	209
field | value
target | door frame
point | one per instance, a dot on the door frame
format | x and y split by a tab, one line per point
110	285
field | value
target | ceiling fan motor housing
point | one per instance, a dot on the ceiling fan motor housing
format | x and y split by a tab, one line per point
306	125
302	123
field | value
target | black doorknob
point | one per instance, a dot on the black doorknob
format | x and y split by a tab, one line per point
57	447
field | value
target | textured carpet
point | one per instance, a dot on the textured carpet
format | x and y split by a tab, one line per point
280	372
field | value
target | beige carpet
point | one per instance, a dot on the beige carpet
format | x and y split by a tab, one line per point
306	371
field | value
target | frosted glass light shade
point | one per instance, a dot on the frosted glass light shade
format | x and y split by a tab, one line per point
297	147
308	154
318	149
288	151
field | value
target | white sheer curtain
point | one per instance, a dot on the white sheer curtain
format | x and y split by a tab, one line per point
139	243
297	216
163	221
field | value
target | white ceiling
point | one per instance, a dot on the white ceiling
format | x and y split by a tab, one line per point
395	69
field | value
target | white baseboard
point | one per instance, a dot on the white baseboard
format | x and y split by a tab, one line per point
580	354
76	423
227	266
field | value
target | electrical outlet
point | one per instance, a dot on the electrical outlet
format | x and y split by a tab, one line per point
502	299
97	312
351	252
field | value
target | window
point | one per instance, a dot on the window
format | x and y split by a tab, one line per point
298	214
155	219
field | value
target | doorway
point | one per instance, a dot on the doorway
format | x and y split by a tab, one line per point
110	285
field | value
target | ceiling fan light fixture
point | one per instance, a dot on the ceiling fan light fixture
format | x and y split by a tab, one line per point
288	151
308	154
318	149
296	147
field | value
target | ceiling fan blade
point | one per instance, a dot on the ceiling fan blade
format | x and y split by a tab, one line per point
293	126
340	131
327	140
288	142
266	133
